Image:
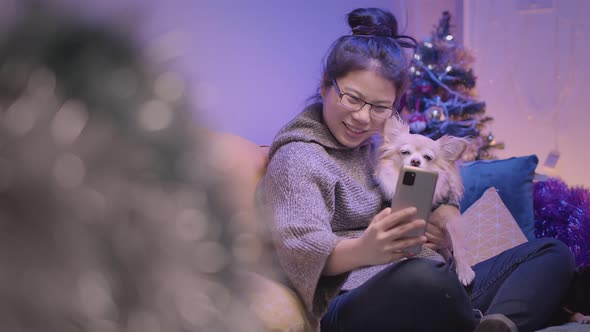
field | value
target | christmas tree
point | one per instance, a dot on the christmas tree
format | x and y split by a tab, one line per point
441	99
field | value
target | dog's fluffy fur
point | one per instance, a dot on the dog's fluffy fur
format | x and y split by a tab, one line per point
398	148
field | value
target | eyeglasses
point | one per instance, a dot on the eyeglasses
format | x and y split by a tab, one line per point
356	104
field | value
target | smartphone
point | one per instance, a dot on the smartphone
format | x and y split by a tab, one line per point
415	187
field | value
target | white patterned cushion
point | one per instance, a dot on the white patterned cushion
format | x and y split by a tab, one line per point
490	228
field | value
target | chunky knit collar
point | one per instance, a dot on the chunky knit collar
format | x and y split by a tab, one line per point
309	126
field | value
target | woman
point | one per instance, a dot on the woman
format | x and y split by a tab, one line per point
343	249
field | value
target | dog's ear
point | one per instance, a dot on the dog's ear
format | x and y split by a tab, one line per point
452	147
394	127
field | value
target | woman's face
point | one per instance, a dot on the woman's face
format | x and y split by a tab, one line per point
351	128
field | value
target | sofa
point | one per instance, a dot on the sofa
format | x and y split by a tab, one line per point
497	212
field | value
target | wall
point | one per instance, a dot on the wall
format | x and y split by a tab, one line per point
533	76
250	65
263	60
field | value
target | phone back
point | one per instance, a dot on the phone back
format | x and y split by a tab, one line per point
415	187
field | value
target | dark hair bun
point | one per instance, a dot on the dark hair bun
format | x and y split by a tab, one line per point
372	22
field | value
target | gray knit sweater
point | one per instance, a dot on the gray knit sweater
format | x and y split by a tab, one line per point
320	192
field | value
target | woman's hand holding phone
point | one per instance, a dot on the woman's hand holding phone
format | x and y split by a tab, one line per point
386	239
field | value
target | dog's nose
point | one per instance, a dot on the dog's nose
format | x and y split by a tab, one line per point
415	162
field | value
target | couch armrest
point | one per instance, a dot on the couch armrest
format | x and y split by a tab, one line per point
277	306
241	162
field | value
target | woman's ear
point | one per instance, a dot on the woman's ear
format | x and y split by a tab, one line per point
323	91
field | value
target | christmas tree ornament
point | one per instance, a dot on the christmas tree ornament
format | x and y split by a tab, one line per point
417	122
424	86
552	158
436	113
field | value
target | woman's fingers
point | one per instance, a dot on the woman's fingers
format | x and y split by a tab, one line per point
434	238
393	219
431	245
385	212
391	234
434	229
400	246
402	230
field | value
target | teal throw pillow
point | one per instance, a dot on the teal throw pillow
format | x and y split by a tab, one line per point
512	177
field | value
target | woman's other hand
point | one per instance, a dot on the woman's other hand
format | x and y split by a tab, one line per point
436	231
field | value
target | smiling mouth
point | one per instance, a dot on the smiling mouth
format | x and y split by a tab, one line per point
353	129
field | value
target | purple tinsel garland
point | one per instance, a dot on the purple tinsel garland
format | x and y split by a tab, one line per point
564	213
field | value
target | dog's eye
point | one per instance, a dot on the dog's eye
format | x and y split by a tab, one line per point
428	157
405	152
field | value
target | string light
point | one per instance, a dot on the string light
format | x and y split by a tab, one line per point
68	122
169	86
155	115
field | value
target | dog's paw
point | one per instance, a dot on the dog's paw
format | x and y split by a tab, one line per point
466	274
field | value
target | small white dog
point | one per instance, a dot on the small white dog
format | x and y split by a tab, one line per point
398	148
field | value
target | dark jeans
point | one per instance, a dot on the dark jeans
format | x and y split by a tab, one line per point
525	283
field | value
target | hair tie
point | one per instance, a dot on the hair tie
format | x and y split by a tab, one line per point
384	31
372	30
406	41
